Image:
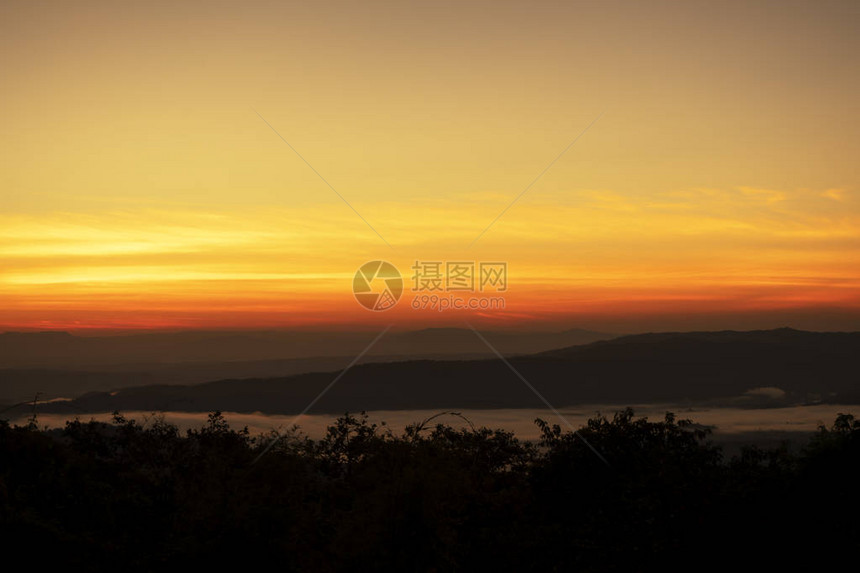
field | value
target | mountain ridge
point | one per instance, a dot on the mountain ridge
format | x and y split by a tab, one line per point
804	366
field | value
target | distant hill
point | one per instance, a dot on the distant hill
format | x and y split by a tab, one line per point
21	384
771	367
64	350
60	364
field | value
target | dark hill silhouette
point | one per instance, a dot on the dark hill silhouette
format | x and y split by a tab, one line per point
20	384
60	364
699	367
61	350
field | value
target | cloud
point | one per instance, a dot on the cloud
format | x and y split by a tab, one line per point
767	195
835	194
592	249
771	392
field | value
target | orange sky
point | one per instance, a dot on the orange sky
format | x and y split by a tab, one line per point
139	188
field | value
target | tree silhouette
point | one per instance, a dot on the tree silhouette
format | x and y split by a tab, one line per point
428	499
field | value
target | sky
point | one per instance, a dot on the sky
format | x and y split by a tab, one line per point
231	165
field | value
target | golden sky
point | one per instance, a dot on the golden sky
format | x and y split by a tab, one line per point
140	189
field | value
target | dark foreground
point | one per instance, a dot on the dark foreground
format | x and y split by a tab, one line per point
143	498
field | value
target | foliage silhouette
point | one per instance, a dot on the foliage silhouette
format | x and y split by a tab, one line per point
147	496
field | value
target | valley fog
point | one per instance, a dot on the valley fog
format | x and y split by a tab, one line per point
728	424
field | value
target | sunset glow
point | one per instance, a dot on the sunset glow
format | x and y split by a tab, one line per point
140	189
